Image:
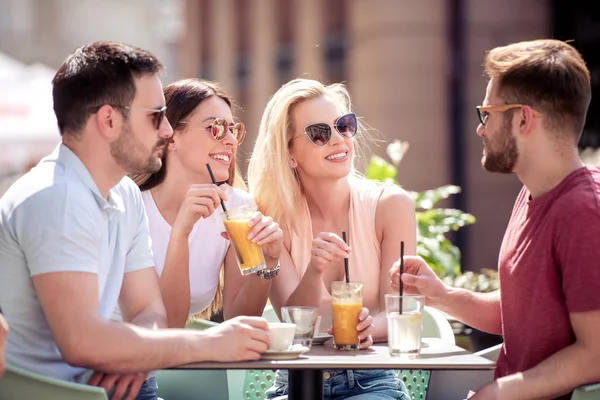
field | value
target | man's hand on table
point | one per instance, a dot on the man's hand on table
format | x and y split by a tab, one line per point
239	339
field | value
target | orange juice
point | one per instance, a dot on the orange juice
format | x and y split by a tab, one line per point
346	303
250	256
345	319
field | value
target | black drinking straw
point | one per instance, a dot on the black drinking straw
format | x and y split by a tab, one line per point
212	177
401	272
215	182
346	260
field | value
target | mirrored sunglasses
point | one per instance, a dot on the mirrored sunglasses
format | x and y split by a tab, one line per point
320	133
220	126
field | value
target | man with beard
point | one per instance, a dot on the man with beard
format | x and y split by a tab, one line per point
74	237
548	307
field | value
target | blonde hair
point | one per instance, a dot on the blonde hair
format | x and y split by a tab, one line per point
271	179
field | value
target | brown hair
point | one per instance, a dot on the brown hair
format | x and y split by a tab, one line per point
548	75
97	74
182	98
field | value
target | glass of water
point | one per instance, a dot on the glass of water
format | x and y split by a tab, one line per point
305	319
405	323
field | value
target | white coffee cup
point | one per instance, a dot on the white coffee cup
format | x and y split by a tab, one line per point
282	335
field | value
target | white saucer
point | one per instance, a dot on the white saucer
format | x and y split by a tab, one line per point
320	339
290	354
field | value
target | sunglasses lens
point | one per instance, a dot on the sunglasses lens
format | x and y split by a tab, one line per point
219	129
161	116
319	134
347	125
239	131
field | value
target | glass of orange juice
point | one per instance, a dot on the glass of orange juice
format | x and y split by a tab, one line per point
346	303
250	256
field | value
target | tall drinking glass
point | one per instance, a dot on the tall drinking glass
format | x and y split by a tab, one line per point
405	323
347	300
250	257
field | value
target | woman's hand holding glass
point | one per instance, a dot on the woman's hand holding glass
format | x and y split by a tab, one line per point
266	233
200	201
365	328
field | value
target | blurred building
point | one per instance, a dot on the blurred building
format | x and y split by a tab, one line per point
413	68
47	31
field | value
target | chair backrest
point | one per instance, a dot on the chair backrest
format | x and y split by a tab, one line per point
18	384
435	325
269	314
491	353
587	392
185	384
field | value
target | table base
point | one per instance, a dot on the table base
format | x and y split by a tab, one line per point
305	384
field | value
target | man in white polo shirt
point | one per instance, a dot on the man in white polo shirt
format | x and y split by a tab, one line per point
74	237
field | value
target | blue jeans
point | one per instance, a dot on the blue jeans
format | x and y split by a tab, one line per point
148	390
352	384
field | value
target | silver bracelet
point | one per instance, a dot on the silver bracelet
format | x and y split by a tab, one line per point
269	273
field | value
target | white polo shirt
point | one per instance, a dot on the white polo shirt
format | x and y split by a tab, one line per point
54	219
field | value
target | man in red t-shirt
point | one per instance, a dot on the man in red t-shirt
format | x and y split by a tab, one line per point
548	305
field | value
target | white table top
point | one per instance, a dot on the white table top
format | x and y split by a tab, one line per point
435	355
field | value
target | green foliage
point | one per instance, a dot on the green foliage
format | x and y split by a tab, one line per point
433	223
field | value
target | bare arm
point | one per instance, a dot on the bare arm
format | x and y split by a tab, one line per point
244	295
140	301
395	222
572	366
70	304
175	280
479	310
247	295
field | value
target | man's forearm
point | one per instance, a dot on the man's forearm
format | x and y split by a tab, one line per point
559	374
478	310
125	348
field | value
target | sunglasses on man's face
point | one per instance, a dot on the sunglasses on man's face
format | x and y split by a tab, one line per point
219	128
320	133
158	113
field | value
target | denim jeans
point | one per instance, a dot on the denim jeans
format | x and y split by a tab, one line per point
148	390
341	384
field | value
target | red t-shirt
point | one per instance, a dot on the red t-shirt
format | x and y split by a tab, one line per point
549	266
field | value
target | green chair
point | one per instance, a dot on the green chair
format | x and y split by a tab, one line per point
587	392
191	384
18	384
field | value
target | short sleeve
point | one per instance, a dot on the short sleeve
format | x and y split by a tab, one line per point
139	255
578	253
57	230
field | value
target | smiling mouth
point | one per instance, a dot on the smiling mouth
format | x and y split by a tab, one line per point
220	157
337	156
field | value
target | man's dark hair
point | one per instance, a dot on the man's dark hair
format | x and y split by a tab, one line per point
97	74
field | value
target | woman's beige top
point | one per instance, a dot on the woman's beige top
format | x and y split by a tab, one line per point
365	260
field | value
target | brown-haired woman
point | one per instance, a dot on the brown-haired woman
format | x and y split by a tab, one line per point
182	204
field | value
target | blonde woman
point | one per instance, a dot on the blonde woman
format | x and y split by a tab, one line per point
302	173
